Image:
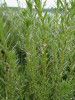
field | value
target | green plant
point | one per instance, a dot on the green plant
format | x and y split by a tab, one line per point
37	52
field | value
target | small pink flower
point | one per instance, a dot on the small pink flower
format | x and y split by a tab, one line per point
68	48
8	69
29	60
54	35
44	44
68	27
16	88
57	31
16	82
41	48
28	53
42	51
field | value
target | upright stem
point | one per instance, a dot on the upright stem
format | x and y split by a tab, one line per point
63	42
71	48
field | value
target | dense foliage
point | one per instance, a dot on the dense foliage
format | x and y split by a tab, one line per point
37	52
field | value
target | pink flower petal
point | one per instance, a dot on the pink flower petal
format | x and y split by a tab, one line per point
8	69
29	60
41	48
44	44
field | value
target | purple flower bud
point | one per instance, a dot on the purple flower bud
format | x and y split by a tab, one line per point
41	48
54	35
57	31
16	82
29	60
16	88
68	48
68	27
42	51
28	53
44	44
8	69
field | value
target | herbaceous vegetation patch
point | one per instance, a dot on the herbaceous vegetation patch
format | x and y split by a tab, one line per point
37	51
